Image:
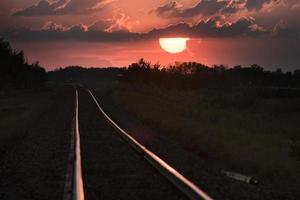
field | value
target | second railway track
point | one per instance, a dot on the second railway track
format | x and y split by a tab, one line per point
111	169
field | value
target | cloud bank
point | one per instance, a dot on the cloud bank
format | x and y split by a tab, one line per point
210	8
63	7
102	31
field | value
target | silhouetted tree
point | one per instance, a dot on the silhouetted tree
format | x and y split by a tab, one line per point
193	75
15	72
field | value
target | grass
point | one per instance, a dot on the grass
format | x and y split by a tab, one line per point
244	131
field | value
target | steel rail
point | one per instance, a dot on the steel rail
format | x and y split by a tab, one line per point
68	187
78	192
182	183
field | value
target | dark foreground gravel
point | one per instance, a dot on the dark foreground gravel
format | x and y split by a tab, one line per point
111	168
34	166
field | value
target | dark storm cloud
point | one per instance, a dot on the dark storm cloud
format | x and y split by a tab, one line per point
97	31
210	28
234	6
61	7
79	32
204	7
42	8
282	29
210	7
171	9
238	28
257	4
53	26
101	25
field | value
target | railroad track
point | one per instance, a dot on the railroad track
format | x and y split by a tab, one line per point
110	164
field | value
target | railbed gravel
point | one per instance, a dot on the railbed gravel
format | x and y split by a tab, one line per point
34	165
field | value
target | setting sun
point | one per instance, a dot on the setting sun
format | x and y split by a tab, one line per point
173	45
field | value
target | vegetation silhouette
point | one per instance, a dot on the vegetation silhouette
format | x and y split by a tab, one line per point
77	73
193	75
15	72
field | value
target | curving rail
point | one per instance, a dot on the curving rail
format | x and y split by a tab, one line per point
78	192
182	183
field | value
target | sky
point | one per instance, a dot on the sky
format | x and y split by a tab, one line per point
103	33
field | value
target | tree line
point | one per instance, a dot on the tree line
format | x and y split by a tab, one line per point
193	75
78	73
16	72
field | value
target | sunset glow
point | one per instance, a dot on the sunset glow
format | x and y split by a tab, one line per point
173	45
102	33
213	83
